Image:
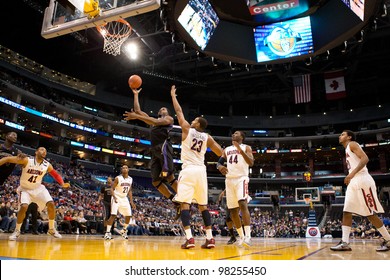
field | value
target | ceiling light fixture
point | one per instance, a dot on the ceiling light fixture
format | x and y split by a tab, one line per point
172	78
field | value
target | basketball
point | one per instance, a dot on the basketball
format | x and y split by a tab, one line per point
135	81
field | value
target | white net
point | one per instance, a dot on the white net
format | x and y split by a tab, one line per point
307	198
114	34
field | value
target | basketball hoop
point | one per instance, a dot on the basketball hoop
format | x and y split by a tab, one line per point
308	201
114	34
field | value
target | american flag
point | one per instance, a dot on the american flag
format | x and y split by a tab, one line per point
302	89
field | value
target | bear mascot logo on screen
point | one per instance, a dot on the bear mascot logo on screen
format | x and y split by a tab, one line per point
282	40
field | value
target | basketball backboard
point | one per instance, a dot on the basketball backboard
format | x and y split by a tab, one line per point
312	193
67	16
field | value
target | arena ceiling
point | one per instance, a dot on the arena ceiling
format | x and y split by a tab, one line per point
80	54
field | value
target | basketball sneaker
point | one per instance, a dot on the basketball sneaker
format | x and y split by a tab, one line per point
54	233
14	235
107	236
209	244
342	246
247	241
384	246
123	233
190	243
232	240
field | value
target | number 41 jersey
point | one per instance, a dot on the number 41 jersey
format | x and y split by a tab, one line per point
32	173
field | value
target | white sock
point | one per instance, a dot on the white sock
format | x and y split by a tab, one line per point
209	233
346	232
240	232
385	234
188	233
247	230
51	224
108	229
18	226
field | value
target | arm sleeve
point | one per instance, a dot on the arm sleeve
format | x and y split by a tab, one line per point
57	177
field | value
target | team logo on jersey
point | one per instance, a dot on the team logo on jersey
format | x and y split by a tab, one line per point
34	172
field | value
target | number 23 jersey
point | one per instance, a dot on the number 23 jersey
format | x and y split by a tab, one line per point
194	148
32	174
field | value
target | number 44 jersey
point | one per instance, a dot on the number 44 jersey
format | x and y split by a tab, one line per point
236	164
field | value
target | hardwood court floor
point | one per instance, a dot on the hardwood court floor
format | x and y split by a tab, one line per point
93	247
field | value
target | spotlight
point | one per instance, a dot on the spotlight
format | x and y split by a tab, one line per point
308	61
173	37
384	10
327	55
345	47
361	36
213	60
232	66
131	51
184	48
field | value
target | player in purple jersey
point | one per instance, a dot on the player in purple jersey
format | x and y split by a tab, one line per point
7	149
162	168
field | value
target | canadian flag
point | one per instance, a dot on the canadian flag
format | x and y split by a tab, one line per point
335	85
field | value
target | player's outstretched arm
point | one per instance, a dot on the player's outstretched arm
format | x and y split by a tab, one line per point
185	126
167	120
214	146
137	107
14	159
57	177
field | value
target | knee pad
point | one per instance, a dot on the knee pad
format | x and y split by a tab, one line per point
185	217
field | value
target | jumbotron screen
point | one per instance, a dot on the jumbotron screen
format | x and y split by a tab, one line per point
283	39
200	20
356	6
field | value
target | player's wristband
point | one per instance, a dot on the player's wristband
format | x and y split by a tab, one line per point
221	162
